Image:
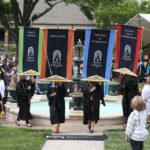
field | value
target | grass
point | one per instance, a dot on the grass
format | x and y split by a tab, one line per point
10	50
141	85
22	138
116	141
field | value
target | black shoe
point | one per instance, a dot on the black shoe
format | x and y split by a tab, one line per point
89	127
17	123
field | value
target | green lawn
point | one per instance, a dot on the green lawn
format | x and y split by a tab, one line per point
116	141
21	138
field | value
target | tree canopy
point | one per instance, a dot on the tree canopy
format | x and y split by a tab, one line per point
106	13
107	16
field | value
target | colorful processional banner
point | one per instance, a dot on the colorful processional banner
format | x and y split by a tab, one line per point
30	49
98	51
128	47
57	53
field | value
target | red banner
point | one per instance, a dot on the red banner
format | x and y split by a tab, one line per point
128	47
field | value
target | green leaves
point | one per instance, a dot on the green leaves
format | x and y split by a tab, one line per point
107	13
5	10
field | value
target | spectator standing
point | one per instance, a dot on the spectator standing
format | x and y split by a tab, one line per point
136	131
2	91
146	96
148	68
141	71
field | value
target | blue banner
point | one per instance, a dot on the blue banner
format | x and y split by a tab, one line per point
98	53
30	49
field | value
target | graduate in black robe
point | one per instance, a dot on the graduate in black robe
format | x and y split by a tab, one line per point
24	93
56	97
129	89
93	93
31	83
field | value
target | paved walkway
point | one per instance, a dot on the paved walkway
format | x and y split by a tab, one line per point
73	145
75	127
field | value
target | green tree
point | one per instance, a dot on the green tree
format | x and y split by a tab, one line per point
118	12
145	6
91	8
106	13
87	6
12	12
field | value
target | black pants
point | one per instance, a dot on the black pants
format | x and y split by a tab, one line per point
136	145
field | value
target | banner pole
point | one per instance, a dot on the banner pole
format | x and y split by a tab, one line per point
47	57
141	51
141	43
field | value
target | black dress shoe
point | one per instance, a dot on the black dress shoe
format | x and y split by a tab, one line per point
89	127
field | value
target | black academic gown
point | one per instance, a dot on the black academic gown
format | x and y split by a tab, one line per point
129	90
23	100
86	97
91	109
57	104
